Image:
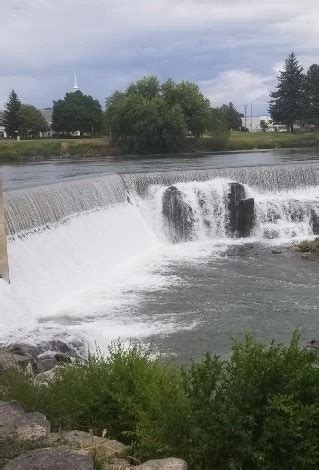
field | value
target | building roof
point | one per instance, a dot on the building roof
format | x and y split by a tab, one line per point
47	114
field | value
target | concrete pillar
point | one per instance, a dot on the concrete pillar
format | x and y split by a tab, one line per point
4	266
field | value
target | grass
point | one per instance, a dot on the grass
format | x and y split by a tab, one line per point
258	409
11	150
309	246
269	140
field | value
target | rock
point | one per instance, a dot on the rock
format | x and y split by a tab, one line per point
178	214
18	426
45	356
276	252
246	217
241	212
10	359
313	345
51	459
236	193
100	447
314	221
306	255
48	375
117	464
163	464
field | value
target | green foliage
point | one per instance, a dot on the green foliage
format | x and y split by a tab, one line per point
286	106
153	118
310	246
311	98
195	107
259	409
31	121
230	117
10	115
263	125
77	112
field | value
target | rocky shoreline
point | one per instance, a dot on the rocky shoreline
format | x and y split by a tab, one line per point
26	440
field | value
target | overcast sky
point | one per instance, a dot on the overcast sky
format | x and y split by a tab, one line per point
231	48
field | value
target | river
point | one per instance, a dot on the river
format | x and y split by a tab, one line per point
90	256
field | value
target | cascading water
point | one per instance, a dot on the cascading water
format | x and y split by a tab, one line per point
81	252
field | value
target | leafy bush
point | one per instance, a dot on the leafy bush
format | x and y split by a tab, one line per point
259	409
311	246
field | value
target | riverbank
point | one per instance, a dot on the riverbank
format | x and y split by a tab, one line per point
47	149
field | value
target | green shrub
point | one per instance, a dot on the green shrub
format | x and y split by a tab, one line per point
259	409
311	246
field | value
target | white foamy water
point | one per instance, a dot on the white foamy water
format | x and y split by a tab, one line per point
83	256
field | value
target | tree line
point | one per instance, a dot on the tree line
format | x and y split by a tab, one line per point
22	119
296	98
148	116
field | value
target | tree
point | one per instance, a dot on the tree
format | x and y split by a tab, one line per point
231	116
263	125
311	100
10	115
195	106
286	105
31	120
142	125
77	112
149	117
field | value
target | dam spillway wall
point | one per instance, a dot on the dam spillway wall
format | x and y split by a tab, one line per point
4	267
285	197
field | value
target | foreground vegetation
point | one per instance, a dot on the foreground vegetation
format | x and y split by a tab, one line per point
309	246
11	150
257	410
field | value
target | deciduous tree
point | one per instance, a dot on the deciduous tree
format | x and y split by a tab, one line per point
77	112
31	121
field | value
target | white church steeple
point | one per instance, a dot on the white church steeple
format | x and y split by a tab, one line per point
75	87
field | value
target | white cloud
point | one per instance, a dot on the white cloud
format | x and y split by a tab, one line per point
43	39
239	86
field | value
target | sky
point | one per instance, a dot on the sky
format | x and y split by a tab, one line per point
232	49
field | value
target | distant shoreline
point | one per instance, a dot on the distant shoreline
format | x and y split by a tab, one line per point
80	149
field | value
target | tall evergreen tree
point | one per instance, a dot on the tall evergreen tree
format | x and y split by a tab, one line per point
10	115
311	100
286	104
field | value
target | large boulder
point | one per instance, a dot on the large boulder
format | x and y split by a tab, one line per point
236	193
178	214
241	211
49	375
163	464
314	221
17	426
10	359
246	217
103	449
42	357
51	459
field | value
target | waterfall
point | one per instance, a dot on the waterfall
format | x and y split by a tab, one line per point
27	209
80	252
285	200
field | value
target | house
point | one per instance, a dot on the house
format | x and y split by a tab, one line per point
47	114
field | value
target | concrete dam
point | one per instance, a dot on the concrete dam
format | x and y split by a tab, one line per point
82	252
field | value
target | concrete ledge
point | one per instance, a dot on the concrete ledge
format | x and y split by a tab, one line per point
4	266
